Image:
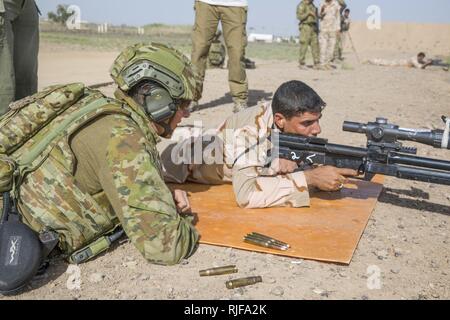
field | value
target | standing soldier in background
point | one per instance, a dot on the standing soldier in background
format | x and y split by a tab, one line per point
330	25
19	46
343	35
309	28
233	17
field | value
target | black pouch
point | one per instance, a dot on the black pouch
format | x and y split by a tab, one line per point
22	251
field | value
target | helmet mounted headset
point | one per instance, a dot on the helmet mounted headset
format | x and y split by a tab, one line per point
158	94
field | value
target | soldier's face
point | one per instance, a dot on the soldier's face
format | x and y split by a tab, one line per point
182	112
306	124
178	117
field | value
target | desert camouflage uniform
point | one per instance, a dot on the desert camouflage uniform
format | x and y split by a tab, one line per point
19	46
308	24
413	62
330	25
242	153
342	37
102	172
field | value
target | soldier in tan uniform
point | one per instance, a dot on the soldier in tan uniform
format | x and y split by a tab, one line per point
233	17
19	46
330	25
418	62
237	152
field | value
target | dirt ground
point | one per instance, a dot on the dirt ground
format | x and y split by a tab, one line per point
407	240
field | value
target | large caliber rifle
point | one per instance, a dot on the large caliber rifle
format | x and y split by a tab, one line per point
384	153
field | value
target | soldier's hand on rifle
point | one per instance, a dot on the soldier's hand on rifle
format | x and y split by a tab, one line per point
327	178
283	166
181	201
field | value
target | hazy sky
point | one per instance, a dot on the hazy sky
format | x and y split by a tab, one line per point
265	16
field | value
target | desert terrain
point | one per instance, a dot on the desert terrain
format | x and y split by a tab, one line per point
407	238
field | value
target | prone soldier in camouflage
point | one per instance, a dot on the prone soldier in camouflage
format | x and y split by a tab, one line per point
19	46
101	168
418	62
238	152
309	31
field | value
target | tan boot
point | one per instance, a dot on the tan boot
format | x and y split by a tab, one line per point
303	67
318	67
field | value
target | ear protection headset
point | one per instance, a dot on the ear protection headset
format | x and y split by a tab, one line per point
159	104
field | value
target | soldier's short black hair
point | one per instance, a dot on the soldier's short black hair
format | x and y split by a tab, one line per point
347	10
294	98
421	54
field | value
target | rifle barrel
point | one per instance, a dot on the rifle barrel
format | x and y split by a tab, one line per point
419	161
424	175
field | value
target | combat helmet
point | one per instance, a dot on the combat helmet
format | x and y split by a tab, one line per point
165	66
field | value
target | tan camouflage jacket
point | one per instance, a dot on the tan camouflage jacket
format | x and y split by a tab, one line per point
243	145
106	170
413	62
331	22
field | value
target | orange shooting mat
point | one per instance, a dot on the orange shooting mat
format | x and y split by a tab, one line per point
329	230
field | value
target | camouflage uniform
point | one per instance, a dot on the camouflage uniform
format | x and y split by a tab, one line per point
413	62
342	37
19	46
234	20
103	169
240	156
330	25
308	24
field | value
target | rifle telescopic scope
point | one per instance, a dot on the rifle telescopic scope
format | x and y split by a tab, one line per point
384	132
